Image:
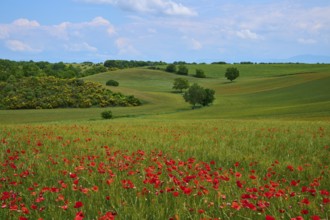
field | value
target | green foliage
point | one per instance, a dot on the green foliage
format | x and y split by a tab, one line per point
106	114
219	62
246	62
122	64
112	82
200	73
51	92
232	73
182	70
180	84
198	95
171	68
209	97
61	70
93	69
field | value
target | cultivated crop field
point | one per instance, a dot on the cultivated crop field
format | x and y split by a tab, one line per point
260	151
196	169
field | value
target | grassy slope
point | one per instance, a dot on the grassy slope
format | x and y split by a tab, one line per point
261	91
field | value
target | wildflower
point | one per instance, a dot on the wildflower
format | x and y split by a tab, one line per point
268	217
79	216
175	194
235	205
78	204
108	216
304	212
305	201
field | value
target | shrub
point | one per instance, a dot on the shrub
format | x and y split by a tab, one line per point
183	70
112	82
180	84
200	73
171	68
106	114
198	95
232	73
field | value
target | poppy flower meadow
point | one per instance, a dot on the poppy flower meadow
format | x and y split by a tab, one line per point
155	169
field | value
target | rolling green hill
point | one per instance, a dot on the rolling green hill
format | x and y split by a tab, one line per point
281	91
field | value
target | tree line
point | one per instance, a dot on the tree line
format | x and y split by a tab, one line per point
20	69
123	64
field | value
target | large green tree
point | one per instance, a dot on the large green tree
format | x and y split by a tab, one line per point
232	73
197	95
180	84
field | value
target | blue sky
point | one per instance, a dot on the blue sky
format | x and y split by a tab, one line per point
167	30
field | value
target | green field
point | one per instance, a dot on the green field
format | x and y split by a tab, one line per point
273	91
260	151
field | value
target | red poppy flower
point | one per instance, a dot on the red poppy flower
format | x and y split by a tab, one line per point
268	217
305	201
108	216
79	216
235	205
304	212
78	204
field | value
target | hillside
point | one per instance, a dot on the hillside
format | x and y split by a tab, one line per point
281	91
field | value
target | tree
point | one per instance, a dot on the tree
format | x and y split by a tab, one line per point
183	70
232	73
171	68
180	84
209	97
198	95
106	114
200	73
112	82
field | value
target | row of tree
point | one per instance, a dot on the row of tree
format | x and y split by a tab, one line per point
122	64
231	73
183	70
50	92
20	69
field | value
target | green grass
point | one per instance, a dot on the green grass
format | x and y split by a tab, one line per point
37	161
266	136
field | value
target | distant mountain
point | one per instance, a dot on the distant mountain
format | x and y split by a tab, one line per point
307	59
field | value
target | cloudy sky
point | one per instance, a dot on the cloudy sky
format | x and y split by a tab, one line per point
167	30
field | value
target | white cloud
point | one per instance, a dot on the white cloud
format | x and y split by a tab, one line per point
247	34
65	29
23	35
19	46
166	7
80	47
125	47
22	22
99	21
